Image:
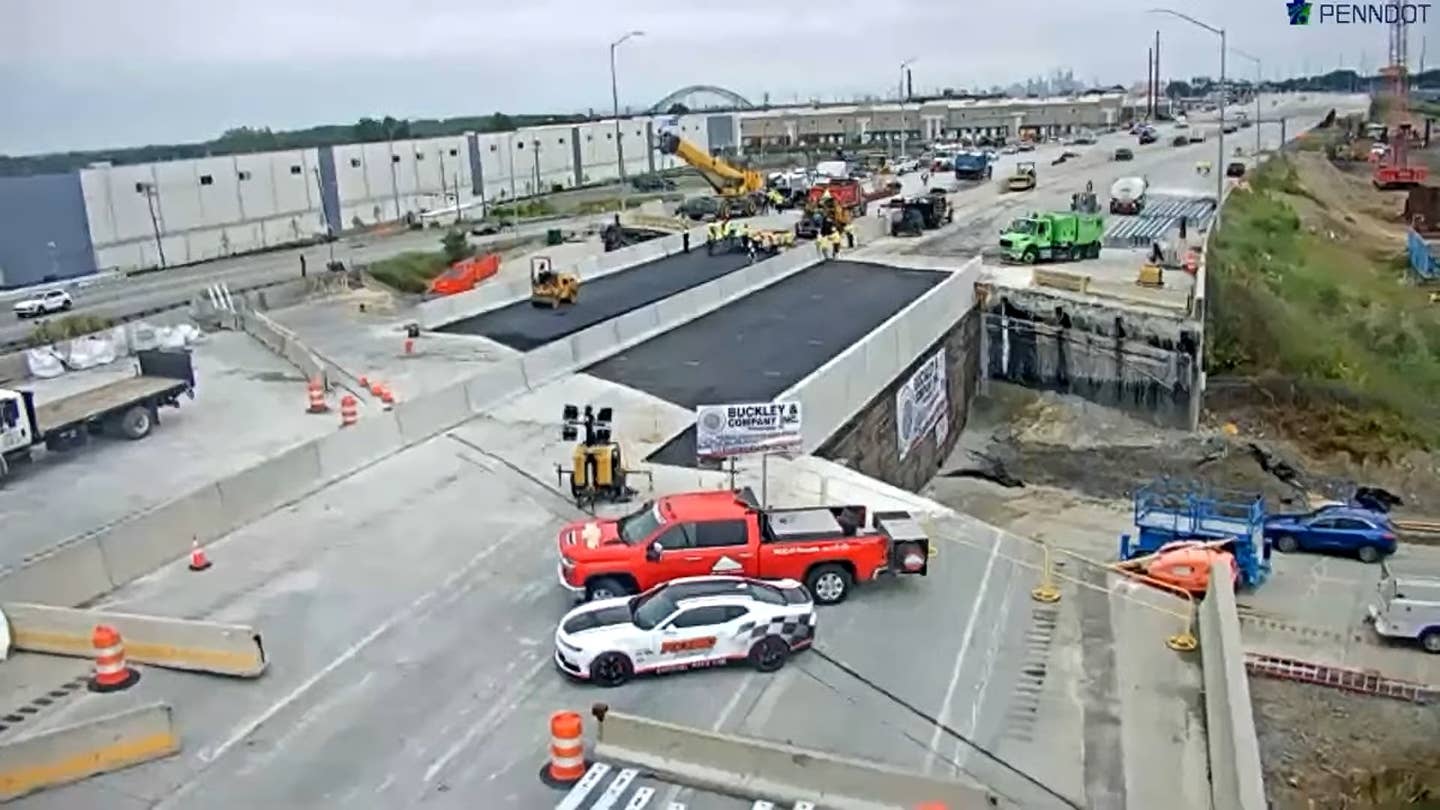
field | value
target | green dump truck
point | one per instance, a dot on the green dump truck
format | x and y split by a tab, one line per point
1053	236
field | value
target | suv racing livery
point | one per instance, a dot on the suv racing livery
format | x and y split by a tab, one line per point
687	623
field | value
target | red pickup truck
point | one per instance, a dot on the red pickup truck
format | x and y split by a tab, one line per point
727	532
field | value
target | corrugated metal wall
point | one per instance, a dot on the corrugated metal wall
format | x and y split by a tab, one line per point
43	233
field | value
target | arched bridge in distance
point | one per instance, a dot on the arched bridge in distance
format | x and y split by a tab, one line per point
729	98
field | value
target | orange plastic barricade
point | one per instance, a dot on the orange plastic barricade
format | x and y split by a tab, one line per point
465	274
567	748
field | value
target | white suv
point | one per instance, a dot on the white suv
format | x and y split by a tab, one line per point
45	303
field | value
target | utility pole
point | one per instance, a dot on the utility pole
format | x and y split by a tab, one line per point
1159	88
615	100
1150	84
1219	164
900	92
1259	71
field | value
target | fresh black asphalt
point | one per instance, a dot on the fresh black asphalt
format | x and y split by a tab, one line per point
523	327
757	347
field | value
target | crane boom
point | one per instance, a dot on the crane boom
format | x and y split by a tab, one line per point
727	180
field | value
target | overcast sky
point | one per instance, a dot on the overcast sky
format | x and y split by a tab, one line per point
97	73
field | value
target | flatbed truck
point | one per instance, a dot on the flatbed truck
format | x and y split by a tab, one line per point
128	408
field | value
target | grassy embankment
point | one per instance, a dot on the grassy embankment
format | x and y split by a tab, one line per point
1308	285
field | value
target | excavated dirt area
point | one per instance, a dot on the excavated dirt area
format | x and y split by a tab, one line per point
1323	749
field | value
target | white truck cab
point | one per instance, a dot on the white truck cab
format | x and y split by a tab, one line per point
1407	607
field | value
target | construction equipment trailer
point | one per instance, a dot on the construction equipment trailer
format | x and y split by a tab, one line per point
1169	511
740	191
128	408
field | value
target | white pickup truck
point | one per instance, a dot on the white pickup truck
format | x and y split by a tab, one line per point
45	303
1407	608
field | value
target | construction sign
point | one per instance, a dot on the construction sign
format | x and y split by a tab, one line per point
921	403
741	429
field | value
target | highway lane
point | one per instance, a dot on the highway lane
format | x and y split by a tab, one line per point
981	211
165	288
408	615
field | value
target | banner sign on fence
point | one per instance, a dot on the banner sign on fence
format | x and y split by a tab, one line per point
744	428
921	402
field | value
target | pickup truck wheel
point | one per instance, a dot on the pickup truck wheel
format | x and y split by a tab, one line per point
611	669
1430	641
829	584
1368	554
1030	256
136	423
1287	544
606	588
769	654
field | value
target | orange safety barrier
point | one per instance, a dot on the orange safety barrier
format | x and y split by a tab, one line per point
465	274
567	747
376	387
317	397
1192	261
111	672
387	397
348	412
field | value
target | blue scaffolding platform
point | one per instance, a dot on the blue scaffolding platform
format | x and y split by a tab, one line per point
1167	511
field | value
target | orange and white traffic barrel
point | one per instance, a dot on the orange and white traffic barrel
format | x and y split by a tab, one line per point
567	749
111	672
317	397
349	410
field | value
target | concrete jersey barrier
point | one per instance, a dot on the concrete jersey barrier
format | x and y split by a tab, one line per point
224	649
1237	781
777	772
71	753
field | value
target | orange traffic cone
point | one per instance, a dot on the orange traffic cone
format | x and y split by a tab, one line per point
198	560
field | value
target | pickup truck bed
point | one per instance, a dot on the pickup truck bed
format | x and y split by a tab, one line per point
89	404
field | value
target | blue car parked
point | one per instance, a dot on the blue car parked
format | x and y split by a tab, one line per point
1361	532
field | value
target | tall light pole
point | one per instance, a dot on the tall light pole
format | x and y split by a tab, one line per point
1259	72
1220	32
615	100
900	96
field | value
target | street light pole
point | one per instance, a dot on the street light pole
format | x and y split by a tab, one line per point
1220	32
900	97
615	100
1259	76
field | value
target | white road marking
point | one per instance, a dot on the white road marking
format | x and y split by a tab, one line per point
209	755
499	711
943	718
962	750
673	794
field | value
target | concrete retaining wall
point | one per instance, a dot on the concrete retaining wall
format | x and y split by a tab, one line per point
86	567
1236	779
774	771
838	390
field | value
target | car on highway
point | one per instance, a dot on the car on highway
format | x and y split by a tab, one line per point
1180	140
1361	532
1124	154
1230	129
829	548
1009	149
46	302
1235	169
1025	146
1196	136
1181	123
688	623
906	165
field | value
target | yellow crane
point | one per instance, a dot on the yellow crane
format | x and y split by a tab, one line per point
738	188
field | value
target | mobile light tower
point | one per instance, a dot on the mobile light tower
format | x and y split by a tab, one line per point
1394	170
